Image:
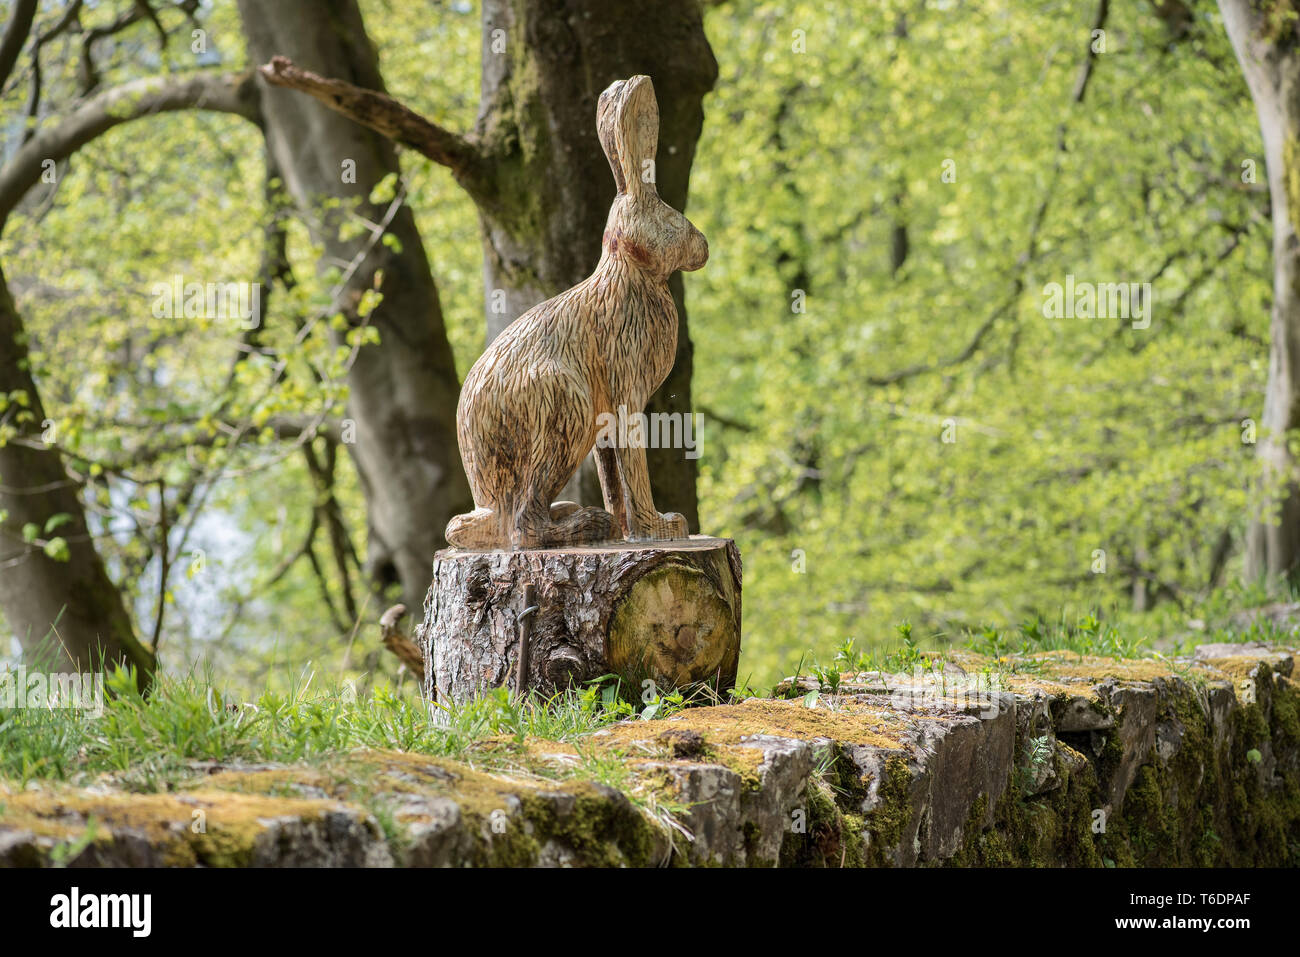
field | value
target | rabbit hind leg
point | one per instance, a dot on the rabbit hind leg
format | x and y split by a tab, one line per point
611	487
557	430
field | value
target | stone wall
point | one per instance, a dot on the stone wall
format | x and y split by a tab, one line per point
1044	760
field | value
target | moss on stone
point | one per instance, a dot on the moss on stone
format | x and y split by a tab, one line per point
1208	792
831	836
210	828
887	821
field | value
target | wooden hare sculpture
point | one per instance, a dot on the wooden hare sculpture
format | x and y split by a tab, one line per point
529	409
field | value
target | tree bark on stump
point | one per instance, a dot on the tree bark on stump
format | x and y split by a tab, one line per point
666	611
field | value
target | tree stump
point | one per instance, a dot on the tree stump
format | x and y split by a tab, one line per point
667	611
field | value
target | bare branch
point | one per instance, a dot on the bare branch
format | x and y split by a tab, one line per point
71	15
971	347
140	10
151	15
322	473
407	651
89	73
164	563
383	114
323	582
1090	59
15	35
275	265
292	559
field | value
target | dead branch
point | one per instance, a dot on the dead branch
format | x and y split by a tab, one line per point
407	651
386	116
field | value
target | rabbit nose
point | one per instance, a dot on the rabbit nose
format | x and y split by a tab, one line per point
701	250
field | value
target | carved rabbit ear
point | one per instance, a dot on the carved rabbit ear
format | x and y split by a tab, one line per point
627	121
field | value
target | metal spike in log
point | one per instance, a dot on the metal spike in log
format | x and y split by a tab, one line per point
525	633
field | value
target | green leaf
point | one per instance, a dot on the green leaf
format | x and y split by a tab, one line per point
385	190
57	549
57	520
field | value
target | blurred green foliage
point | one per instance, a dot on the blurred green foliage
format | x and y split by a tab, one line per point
1066	463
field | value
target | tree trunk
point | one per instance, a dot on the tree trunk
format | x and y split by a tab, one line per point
71	602
668	613
1269	51
403	391
545	62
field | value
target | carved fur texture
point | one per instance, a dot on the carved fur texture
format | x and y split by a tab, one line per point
528	412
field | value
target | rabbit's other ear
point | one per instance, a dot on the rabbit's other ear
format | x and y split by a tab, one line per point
627	121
